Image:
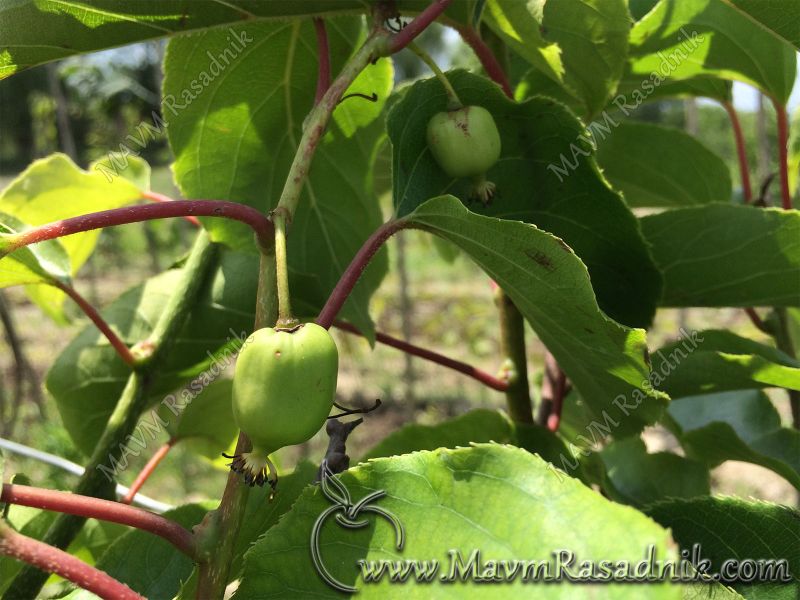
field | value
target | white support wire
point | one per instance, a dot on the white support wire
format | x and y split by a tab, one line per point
76	469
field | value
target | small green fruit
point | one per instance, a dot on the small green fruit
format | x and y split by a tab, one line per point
465	142
283	391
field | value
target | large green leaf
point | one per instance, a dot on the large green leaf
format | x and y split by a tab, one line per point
662	166
235	134
725	255
454	500
581	45
741	425
781	17
550	285
535	183
732	528
719	361
88	377
680	40
636	477
37	31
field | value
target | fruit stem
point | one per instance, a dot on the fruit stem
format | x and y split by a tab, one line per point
453	101
285	316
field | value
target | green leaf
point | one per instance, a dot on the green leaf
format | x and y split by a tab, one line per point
638	478
88	377
480	425
464	499
476	426
732	528
205	426
662	166
38	31
741	425
717	361
635	90
536	83
38	263
552	448
794	152
581	45
54	188
679	40
781	17
639	8
550	285
354	113
147	563
724	255
535	183
235	135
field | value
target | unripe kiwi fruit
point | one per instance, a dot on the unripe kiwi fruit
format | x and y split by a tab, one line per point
465	143
283	390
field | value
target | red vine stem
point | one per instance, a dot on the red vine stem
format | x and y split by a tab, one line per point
156	197
488	60
554	419
783	151
482	376
417	25
148	470
354	270
93	314
324	73
104	510
260	224
52	560
757	320
741	152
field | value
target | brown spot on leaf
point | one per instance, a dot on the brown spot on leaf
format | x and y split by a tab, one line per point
541	259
